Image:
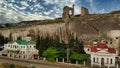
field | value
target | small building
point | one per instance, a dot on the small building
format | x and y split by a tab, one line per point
20	49
102	55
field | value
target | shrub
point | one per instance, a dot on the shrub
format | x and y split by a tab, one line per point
50	54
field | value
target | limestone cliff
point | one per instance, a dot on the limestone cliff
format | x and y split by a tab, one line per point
35	30
93	24
85	26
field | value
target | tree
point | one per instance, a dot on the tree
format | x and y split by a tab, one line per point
50	54
79	47
1	40
6	40
38	43
19	38
10	37
62	53
12	66
80	57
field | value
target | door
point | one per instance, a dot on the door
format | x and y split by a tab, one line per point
102	61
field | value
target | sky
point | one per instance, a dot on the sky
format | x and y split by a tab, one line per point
14	11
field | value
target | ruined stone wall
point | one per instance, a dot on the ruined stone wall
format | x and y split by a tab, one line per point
84	11
66	13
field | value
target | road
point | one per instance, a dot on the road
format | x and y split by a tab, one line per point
27	63
39	63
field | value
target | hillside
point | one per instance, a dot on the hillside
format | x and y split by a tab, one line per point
82	26
95	23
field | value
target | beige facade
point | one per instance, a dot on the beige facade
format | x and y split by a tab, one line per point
20	49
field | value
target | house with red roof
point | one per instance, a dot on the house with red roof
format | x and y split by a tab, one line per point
101	54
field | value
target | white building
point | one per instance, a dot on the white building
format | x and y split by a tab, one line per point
102	55
20	49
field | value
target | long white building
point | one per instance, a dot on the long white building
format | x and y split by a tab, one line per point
20	49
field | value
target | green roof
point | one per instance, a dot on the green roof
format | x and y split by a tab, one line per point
95	39
104	35
11	42
22	42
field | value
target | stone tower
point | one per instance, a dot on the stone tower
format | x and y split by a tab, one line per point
66	13
84	11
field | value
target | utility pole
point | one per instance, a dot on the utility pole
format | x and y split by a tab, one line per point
69	37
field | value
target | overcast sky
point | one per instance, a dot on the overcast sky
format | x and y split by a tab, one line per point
12	11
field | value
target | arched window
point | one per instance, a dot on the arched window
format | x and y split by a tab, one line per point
111	61
87	49
70	12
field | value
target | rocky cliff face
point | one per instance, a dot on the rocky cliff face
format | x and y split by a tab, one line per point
94	24
83	27
35	30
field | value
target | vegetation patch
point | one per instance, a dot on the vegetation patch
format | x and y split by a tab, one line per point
53	48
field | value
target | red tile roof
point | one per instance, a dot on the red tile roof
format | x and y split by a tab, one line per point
103	46
94	49
111	50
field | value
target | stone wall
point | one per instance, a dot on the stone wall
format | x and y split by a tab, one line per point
66	13
84	11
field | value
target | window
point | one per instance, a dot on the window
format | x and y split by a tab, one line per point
94	59
111	61
106	42
110	42
87	49
116	37
23	52
107	60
